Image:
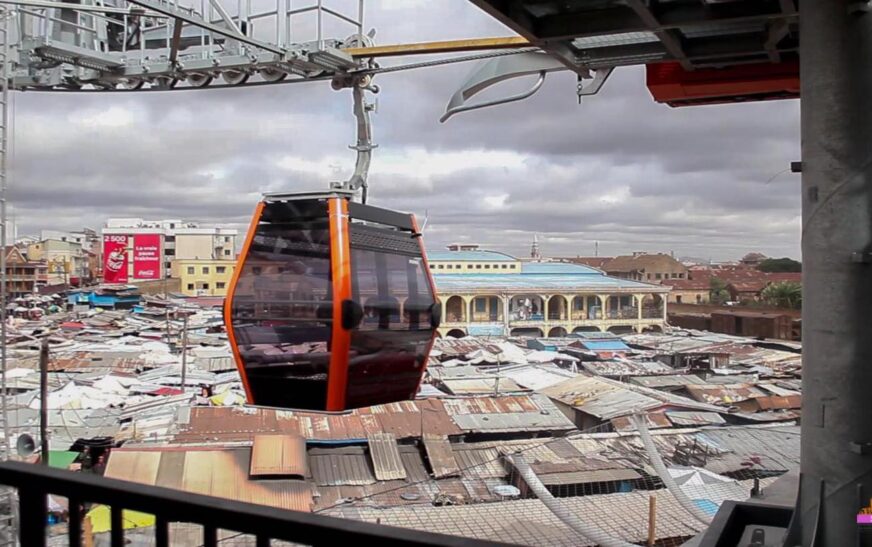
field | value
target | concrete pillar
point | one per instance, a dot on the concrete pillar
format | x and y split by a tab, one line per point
664	298
639	299
836	445
545	300
506	299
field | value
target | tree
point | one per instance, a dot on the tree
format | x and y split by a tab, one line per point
780	265
783	295
718	291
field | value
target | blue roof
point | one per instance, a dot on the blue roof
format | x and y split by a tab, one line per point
605	345
522	282
481	256
557	268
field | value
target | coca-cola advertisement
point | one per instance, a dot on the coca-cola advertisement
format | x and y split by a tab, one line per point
146	256
115	258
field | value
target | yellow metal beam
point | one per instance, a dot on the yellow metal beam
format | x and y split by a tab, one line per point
445	46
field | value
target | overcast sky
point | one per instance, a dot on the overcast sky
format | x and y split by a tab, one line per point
619	169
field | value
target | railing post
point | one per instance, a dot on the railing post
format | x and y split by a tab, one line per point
33	512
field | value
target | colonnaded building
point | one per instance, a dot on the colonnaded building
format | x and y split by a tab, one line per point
488	293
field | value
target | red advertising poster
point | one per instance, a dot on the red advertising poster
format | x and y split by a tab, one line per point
146	256
115	258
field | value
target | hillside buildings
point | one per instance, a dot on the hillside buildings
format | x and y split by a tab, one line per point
23	276
487	293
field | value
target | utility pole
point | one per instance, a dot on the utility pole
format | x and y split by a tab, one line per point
184	350
836	440
43	399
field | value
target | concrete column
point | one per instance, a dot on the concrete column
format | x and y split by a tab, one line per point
639	299
665	298
506	299
545	300
836	462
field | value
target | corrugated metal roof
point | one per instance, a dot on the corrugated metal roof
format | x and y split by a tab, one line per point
479	462
607	399
535	268
450	283
604	345
238	424
484	385
386	460
278	455
724	394
654	420
686	418
529	522
537	377
219	473
585	477
667	380
441	456
340	467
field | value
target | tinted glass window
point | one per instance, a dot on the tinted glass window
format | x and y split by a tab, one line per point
282	309
389	346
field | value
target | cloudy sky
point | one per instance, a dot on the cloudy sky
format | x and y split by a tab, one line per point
619	169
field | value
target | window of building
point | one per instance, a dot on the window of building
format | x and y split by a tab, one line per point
190	286
504	266
657	276
480	304
678	298
226	239
487	266
450	266
478	266
699	299
205	269
226	252
681	276
190	270
220	269
206	286
220	285
649	276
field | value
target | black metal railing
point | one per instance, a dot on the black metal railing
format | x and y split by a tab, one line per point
35	482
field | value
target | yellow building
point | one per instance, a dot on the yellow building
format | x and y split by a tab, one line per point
203	277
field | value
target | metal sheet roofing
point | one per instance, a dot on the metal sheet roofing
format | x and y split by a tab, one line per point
521	282
537	377
219	473
607	399
686	418
604	345
586	477
529	522
557	268
341	467
385	455
276	455
441	456
239	424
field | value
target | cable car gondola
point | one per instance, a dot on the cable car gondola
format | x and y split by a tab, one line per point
332	305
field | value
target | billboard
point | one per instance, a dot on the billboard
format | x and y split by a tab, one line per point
115	258
146	256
